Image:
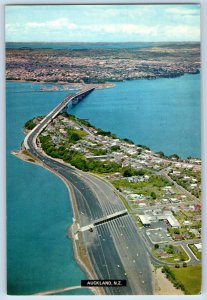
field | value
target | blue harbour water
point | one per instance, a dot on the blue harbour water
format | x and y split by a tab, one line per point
79	46
163	114
39	253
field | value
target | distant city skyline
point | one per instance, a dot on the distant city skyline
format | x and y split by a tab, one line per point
102	23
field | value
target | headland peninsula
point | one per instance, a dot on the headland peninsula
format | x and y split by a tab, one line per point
144	181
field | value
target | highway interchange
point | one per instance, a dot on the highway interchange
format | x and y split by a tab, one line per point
115	248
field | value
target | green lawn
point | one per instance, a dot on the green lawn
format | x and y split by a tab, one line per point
153	185
190	277
183	254
195	251
137	220
134	205
178	254
125	203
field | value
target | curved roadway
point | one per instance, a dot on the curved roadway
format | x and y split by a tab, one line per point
115	248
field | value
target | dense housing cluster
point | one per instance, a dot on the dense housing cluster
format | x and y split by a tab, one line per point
102	65
158	191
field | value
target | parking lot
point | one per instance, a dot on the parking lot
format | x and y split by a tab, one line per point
157	233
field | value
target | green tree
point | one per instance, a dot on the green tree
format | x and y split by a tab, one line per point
29	125
153	195
156	246
141	172
115	148
128	141
74	137
127	172
143	146
161	154
170	249
175	156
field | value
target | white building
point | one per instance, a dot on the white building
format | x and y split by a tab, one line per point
198	247
146	221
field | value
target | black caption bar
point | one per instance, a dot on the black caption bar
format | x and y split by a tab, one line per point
106	282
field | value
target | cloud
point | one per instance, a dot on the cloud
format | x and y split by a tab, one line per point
9	27
180	33
122	28
182	11
159	32
149	23
62	23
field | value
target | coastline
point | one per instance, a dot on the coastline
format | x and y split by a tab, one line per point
77	244
166	157
105	85
79	251
161	285
103	64
78	85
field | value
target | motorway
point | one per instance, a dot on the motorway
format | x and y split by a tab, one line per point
115	248
51	115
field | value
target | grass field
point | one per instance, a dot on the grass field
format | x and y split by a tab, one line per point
154	184
179	254
195	251
137	220
190	277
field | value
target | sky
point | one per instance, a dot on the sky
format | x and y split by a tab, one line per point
102	23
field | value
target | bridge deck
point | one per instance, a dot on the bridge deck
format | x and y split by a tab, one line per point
105	219
51	115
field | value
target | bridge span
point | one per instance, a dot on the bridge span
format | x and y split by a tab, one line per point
105	219
61	107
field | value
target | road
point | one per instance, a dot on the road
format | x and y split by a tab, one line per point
115	248
192	260
51	115
192	197
185	244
